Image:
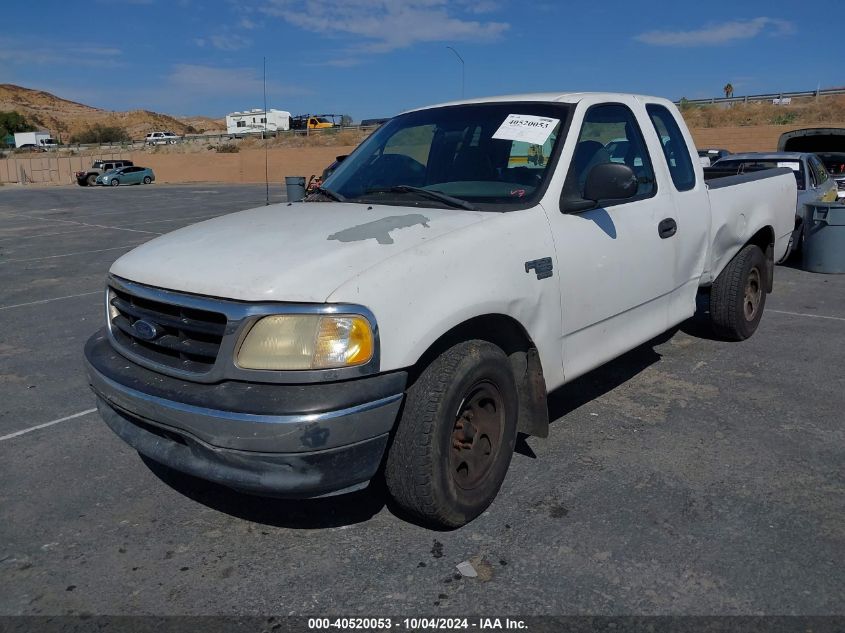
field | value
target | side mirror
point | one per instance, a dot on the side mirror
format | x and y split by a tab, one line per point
606	181
341	158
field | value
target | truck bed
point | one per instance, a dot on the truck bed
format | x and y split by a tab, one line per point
741	201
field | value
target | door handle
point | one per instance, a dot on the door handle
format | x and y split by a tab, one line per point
667	228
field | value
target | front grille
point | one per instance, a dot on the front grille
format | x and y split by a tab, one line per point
181	338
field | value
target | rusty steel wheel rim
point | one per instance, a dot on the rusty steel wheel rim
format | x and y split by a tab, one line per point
476	434
753	295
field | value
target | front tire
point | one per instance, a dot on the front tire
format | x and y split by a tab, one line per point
456	436
115	182
738	296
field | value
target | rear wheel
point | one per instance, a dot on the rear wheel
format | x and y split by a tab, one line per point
115	182
738	296
91	179
147	180
455	439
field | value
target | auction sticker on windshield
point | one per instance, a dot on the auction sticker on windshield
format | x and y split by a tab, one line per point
527	128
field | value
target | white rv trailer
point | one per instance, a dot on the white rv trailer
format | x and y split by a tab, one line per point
253	121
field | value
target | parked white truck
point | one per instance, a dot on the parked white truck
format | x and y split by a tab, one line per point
34	139
409	318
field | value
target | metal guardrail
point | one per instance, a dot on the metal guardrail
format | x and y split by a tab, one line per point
215	138
207	138
764	97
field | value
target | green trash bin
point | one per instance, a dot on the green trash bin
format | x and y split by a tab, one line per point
824	242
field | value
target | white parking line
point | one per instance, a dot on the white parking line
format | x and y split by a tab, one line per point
32	303
3	438
99	226
812	316
99	250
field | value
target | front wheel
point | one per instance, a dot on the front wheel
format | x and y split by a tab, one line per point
456	436
147	180
738	296
115	182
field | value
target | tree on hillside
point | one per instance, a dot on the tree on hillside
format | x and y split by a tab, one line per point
61	128
11	122
729	90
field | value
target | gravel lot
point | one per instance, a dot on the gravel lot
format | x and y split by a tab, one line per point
689	477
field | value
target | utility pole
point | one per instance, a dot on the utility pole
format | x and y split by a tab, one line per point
463	69
264	137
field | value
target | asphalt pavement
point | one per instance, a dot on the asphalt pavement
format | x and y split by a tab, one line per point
691	476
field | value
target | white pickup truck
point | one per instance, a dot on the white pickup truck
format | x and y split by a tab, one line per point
410	317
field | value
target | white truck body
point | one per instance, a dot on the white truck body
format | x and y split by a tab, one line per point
584	287
257	121
39	139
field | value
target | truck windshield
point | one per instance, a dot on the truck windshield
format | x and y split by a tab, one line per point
483	156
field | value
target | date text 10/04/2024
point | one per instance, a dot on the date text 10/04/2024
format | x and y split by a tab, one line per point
415	624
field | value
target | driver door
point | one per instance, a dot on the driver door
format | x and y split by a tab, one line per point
616	269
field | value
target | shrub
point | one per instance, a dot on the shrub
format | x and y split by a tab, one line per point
101	134
228	148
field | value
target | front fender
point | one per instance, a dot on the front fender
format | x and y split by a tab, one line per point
422	293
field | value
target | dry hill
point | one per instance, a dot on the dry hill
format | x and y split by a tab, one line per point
63	118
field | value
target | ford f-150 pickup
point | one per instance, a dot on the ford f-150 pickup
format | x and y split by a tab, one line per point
407	319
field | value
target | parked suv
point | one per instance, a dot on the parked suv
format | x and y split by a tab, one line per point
161	138
98	168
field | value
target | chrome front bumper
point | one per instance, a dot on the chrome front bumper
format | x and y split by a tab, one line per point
281	440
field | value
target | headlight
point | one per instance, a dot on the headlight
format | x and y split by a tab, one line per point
307	341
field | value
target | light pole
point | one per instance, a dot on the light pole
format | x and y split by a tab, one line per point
463	73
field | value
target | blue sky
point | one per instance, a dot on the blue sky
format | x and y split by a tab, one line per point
374	58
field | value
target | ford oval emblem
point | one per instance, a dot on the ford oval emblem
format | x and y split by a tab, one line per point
145	330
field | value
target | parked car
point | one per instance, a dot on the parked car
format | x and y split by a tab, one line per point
828	143
30	147
300	352
161	138
132	175
813	182
834	162
89	176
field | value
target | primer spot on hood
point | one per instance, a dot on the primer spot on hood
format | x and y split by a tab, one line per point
379	230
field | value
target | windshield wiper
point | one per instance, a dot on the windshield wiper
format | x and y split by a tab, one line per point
334	195
427	193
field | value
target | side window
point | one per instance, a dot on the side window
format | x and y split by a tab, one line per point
812	176
412	142
819	169
610	134
675	148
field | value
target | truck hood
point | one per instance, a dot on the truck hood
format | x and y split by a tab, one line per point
285	252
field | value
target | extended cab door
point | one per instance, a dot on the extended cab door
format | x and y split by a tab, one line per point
617	272
673	162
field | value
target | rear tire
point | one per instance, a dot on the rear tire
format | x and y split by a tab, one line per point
738	296
456	436
91	179
147	180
